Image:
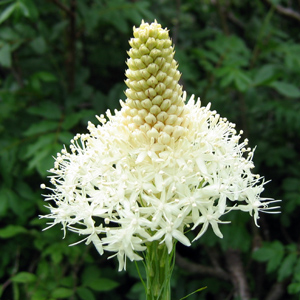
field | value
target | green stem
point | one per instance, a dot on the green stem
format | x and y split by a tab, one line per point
159	266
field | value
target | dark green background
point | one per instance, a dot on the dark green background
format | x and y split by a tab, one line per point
63	61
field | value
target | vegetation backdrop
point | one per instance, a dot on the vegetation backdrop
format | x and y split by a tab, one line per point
63	61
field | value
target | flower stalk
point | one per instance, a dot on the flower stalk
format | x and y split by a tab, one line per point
159	267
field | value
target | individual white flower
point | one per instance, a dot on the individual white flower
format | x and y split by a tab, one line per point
156	167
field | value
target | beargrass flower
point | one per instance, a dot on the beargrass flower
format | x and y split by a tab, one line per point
155	168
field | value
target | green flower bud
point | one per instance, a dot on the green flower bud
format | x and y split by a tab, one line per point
154	96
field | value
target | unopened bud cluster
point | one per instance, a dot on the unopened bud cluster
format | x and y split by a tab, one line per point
154	103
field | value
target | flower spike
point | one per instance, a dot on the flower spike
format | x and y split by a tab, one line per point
157	167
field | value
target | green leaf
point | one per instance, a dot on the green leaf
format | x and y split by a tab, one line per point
287	266
242	81
89	273
116	17
7	12
41	127
65	137
39	144
57	257
24	190
224	71
143	7
241	239
227	80
40	156
45	161
291	248
62	292
294	288
71	120
23	8
46	76
31	8
67	281
286	89
13	201
264	75
9	34
5	56
24	277
55	251
35	83
297	271
201	289
85	294
102	284
291	56
39	294
19	207
39	45
272	253
11	231
231	74
46	109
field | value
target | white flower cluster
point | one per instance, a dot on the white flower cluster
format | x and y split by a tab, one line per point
123	191
123	188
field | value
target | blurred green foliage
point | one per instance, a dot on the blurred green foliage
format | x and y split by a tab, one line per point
63	61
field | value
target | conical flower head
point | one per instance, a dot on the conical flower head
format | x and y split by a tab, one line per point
154	103
157	167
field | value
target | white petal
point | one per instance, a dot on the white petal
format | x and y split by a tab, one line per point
202	231
97	243
216	229
181	237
